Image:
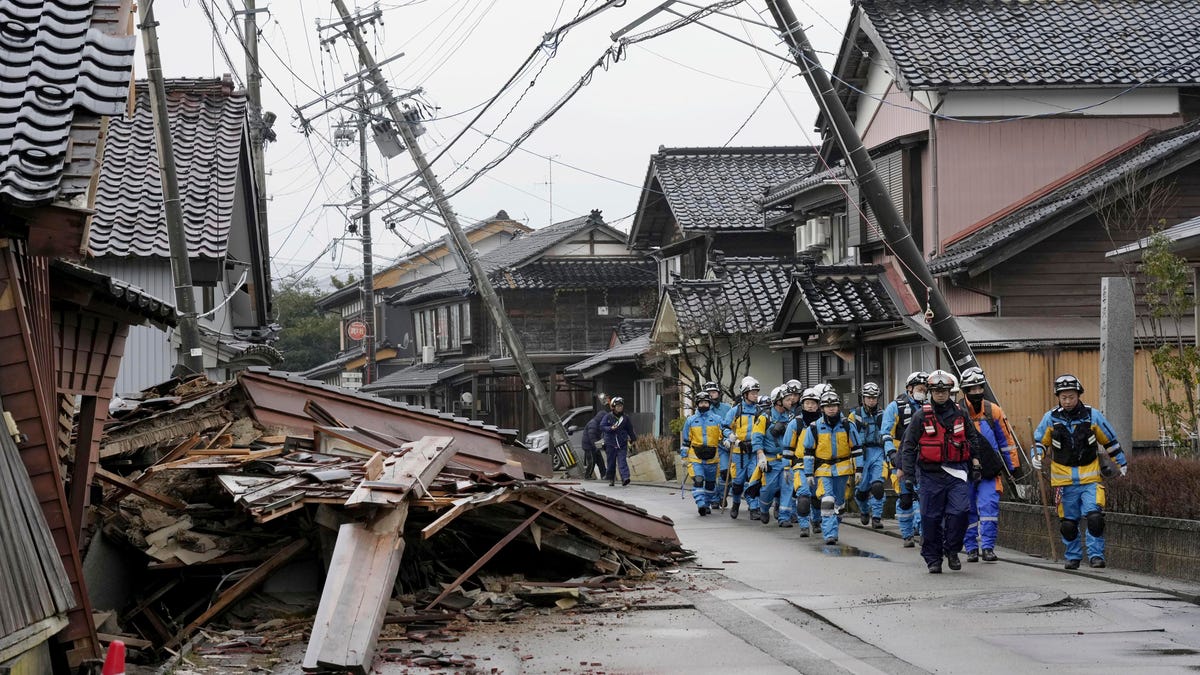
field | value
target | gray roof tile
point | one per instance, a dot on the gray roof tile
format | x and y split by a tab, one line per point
593	273
1019	43
208	123
520	250
59	73
119	293
625	352
717	188
847	295
745	297
629	329
1155	148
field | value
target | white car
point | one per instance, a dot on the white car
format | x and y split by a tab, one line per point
573	421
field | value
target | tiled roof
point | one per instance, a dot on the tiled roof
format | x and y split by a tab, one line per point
414	378
588	273
120	294
717	188
1020	43
629	329
334	365
520	250
745	297
234	351
60	73
625	352
1183	235
208	123
847	296
791	188
1134	161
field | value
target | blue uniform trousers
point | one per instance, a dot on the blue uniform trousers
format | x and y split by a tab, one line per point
985	516
909	518
776	484
1075	503
722	470
797	476
832	486
947	504
704	481
740	469
872	473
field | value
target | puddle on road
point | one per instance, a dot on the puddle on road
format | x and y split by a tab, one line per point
1168	651
844	551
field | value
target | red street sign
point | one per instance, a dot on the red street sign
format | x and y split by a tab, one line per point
356	331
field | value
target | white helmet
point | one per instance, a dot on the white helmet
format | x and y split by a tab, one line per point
810	394
749	384
794	387
973	377
942	380
870	389
830	397
778	393
822	388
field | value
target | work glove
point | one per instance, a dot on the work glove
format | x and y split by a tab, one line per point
683	452
858	477
726	444
976	472
1036	462
1124	470
812	484
762	463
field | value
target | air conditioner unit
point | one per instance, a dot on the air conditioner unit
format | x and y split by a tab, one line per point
428	352
818	231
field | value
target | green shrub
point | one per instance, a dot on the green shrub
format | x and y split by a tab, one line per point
675	426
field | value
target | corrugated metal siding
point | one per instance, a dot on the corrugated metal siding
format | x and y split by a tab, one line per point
149	354
1021	382
983	168
895	118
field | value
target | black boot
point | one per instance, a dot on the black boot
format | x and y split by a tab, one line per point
1097	562
733	511
935	568
624	481
703	510
1071	565
864	518
612	481
876	524
953	562
765	515
753	514
989	555
972	556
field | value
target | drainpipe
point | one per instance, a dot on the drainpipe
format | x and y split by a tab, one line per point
933	175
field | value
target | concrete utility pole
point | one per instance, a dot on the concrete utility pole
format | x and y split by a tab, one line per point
191	356
368	280
533	383
257	123
895	232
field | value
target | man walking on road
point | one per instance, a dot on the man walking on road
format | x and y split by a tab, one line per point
896	419
938	451
768	445
618	434
832	453
593	442
700	438
869	493
739	424
989	419
1083	447
721	410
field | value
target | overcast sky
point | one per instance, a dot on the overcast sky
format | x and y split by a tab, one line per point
693	87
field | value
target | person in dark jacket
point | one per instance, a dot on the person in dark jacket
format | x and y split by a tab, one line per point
940	443
593	442
618	434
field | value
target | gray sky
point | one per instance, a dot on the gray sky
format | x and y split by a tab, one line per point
692	87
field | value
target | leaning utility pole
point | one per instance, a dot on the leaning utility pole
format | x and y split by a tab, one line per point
257	126
533	383
897	235
191	356
368	280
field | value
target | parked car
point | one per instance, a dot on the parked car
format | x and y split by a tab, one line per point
573	421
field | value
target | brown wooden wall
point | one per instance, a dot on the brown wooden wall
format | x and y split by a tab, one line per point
565	321
1061	275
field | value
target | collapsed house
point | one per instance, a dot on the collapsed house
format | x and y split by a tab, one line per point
216	486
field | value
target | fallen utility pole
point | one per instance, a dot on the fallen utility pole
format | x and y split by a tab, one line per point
191	357
897	235
258	130
533	383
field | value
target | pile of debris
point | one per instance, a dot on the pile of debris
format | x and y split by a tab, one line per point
396	500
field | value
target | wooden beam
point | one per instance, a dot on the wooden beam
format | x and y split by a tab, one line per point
491	553
416	468
130	486
87	455
362	574
241	588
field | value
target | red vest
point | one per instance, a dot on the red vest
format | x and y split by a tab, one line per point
938	447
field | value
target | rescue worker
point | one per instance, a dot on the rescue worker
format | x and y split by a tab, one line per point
896	419
593	442
618	434
809	411
938	451
739	423
701	437
832	454
868	417
984	523
721	410
794	387
1083	448
767	440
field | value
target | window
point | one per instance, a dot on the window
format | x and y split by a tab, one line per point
905	360
454	314
443	329
645	396
465	324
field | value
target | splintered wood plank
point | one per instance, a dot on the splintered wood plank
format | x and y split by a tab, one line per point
362	573
374	466
241	588
130	486
416	468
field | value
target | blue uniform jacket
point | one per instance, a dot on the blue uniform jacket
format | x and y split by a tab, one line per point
870	426
766	440
620	437
701	421
742	409
591	431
